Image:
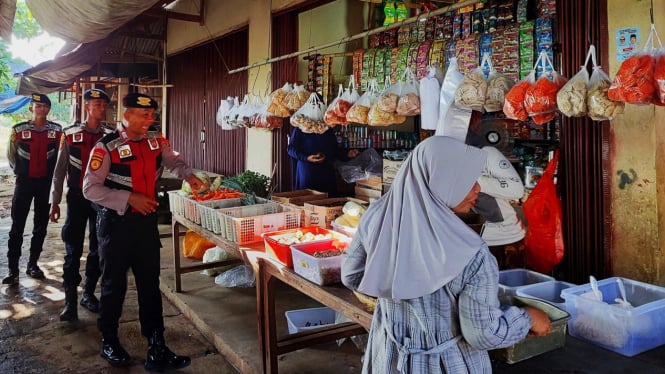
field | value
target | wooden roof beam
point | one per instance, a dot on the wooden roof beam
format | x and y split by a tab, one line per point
200	18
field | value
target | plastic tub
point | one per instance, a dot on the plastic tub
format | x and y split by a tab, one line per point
282	251
548	291
320	270
607	324
308	319
511	279
348	231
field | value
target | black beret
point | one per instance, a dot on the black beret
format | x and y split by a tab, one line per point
40	98
139	100
96	93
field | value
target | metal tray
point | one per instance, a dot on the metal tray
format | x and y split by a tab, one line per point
534	345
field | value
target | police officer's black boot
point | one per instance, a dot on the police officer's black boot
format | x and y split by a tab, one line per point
70	311
12	276
161	358
88	298
113	352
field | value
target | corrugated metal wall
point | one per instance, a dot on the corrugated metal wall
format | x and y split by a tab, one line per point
584	160
284	41
200	80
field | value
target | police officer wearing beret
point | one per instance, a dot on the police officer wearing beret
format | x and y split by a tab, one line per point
75	148
120	178
32	154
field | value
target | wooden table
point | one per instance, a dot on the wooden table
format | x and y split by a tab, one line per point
338	298
178	221
268	271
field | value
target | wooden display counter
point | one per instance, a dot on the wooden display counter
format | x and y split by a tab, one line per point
268	271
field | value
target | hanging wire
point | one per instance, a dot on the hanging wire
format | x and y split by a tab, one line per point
214	43
651	12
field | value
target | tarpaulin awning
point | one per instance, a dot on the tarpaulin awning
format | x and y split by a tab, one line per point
61	72
12	104
85	21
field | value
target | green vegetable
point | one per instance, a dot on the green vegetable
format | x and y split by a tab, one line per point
253	184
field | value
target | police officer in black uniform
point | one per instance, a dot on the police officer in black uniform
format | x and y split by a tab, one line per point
75	148
32	154
120	178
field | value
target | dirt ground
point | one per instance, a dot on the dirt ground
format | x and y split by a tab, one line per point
32	338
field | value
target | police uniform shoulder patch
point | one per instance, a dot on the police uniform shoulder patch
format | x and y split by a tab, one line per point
55	126
22	126
96	158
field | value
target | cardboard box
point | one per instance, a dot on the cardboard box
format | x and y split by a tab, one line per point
390	169
298	197
373	182
323	212
364	193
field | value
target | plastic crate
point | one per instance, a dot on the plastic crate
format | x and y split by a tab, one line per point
245	224
208	212
534	345
322	271
308	319
282	252
511	279
625	331
549	291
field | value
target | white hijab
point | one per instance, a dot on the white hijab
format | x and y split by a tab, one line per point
414	241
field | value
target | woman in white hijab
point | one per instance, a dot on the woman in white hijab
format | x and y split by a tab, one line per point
434	277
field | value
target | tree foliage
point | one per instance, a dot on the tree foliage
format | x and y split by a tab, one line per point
26	27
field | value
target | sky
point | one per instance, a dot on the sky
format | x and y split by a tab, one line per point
36	50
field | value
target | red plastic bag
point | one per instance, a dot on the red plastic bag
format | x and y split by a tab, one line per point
544	237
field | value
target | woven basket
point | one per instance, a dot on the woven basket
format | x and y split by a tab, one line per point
368	301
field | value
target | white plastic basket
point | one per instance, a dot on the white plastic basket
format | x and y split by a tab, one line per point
245	224
208	212
177	202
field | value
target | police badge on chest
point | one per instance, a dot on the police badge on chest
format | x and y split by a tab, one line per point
153	144
51	134
77	137
125	151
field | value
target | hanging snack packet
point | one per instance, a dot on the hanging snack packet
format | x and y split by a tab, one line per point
330	117
634	82
540	98
277	105
349	97
513	107
409	99
388	98
599	105
296	98
225	106
659	76
473	89
309	118
571	99
498	86
359	110
378	116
